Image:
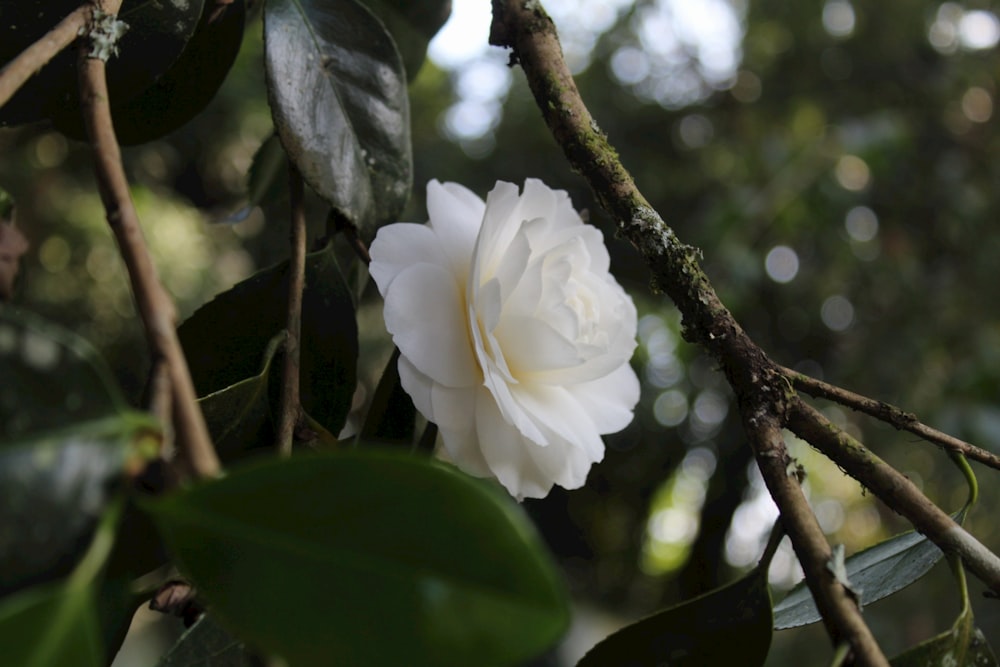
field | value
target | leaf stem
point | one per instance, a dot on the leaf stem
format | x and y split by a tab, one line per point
154	304
291	408
15	73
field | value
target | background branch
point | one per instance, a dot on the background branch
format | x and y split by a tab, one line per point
35	57
290	405
154	304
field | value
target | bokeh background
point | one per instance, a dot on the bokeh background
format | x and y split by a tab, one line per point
836	162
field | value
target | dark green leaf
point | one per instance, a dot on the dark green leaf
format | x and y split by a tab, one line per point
728	626
225	339
362	557
52	625
338	97
51	378
875	573
157	34
412	25
391	416
206	644
186	88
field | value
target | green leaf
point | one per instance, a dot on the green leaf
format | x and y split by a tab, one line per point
339	101
52	625
962	646
184	90
267	177
728	626
226	339
158	33
875	573
51	378
206	644
363	557
412	25
392	415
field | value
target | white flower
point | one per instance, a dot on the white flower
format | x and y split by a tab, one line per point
514	339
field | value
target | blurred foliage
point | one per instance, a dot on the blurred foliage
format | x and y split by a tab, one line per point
850	154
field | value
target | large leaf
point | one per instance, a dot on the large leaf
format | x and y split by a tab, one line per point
412	25
728	626
157	34
226	339
875	573
364	558
338	97
185	89
51	626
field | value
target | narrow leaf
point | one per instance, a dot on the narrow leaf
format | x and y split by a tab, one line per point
364	558
52	625
338	97
392	415
728	626
266	178
875	573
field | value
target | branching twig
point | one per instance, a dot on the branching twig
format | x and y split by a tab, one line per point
290	406
902	420
154	304
35	57
894	489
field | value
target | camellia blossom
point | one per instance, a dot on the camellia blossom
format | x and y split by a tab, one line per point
514	338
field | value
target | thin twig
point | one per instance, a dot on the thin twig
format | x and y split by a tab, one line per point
900	419
836	604
154	304
290	406
341	225
894	489
15	73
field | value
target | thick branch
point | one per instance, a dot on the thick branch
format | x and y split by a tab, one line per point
836	604
290	406
902	420
35	57
894	489
154	304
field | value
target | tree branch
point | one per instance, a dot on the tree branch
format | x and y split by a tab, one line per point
290	406
15	73
894	489
897	417
836	604
154	304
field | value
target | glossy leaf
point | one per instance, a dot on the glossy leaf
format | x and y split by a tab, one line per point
875	573
412	25
158	33
363	557
226	339
339	101
391	416
185	89
267	177
51	378
206	644
728	626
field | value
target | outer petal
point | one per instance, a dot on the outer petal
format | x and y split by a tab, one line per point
462	449
424	311
610	400
504	450
400	246
456	214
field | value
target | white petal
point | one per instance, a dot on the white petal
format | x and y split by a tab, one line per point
500	225
504	451
399	246
424	311
610	400
462	449
557	412
454	407
456	214
567	466
418	386
531	346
